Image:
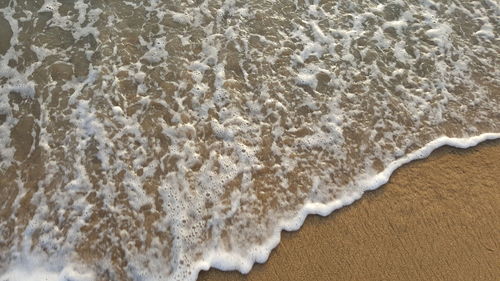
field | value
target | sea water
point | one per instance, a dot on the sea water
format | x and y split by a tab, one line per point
149	140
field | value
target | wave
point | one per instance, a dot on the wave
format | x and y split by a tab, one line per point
149	140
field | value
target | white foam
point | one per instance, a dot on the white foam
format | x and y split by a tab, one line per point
40	272
182	116
233	261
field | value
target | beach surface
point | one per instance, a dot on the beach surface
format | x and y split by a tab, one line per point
436	219
148	140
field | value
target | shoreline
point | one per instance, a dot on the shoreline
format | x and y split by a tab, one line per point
447	167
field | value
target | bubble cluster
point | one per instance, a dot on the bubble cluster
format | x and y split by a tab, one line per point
149	140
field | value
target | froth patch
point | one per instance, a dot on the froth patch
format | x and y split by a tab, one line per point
179	136
36	272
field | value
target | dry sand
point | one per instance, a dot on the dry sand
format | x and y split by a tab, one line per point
436	219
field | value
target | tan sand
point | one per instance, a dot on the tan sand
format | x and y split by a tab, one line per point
437	219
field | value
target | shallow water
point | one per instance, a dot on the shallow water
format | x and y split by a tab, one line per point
146	140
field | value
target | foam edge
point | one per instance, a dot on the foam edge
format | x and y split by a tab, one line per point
229	261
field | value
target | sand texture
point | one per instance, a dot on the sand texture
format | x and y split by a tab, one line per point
436	219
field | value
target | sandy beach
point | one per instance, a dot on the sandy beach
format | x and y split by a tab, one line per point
146	140
436	219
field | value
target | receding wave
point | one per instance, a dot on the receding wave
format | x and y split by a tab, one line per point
147	140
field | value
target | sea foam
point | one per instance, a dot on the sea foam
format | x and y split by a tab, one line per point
149	140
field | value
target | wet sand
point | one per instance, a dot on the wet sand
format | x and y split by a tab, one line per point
436	219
